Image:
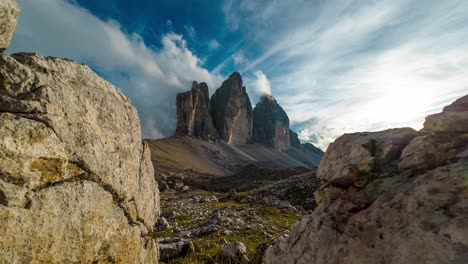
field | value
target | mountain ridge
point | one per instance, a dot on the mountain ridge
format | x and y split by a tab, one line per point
236	123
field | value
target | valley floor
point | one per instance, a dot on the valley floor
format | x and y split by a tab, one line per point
198	219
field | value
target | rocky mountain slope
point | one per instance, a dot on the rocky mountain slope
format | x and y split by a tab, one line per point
261	135
395	196
76	182
216	158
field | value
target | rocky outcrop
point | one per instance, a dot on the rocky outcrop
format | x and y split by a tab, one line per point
452	119
271	124
9	11
231	111
355	159
76	181
294	140
193	113
395	196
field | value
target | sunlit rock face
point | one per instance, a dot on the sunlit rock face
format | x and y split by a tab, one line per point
271	124
231	111
9	11
452	119
76	182
193	113
395	196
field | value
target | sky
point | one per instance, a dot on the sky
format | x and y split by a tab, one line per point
336	66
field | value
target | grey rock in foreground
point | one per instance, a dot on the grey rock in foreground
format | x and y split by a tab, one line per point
168	251
76	181
231	111
395	196
9	12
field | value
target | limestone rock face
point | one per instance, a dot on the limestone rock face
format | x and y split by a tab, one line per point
452	119
193	113
231	111
394	196
76	181
9	11
356	158
271	124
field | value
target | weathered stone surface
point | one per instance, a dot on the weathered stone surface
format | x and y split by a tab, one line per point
76	182
72	222
234	250
9	11
454	118
168	251
271	124
416	213
420	220
355	158
433	150
231	111
193	113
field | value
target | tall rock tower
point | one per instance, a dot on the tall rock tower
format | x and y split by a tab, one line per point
271	124
193	113
231	111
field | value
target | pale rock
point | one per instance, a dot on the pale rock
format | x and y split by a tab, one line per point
9	12
454	118
73	167
411	210
233	250
419	220
356	158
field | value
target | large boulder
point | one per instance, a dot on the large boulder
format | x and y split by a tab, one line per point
418	220
231	111
271	124
395	196
76	181
9	12
454	118
193	113
354	159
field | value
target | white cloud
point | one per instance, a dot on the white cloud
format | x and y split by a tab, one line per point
151	78
190	31
239	58
214	44
261	84
357	65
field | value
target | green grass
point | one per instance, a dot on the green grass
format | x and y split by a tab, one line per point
206	247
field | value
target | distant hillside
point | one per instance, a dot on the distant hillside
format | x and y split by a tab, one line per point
220	158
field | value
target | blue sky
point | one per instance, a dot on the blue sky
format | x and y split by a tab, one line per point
335	66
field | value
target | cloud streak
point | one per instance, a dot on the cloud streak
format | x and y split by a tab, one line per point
356	65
